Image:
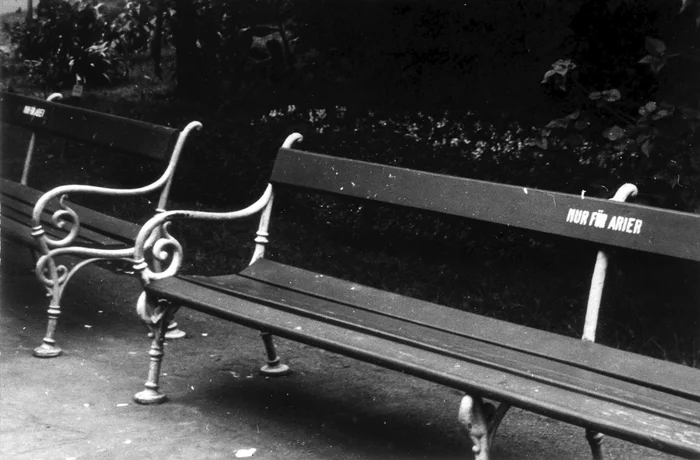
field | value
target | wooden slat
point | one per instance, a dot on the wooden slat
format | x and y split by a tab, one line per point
493	355
21	213
653	230
628	423
15	231
123	134
631	367
86	238
104	224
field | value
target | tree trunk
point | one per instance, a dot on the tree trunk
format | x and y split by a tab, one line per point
157	40
188	66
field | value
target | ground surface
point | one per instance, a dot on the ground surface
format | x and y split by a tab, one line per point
79	406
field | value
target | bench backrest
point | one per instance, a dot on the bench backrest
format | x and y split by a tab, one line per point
608	222
87	126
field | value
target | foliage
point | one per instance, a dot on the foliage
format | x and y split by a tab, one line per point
654	146
617	123
65	43
133	27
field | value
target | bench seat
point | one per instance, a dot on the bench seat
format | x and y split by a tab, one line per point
98	230
578	382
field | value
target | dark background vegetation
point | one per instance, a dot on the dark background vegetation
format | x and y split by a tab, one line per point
559	95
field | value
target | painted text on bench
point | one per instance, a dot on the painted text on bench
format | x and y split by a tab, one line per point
600	220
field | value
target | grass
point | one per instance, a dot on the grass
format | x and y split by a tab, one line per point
650	302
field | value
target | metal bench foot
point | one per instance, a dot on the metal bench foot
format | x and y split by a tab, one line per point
273	368
48	348
481	420
149	397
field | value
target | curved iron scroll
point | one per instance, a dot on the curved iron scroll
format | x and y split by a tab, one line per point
68	215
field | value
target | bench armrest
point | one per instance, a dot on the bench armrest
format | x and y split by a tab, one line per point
154	236
67	216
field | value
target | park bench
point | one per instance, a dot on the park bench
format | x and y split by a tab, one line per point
605	390
53	227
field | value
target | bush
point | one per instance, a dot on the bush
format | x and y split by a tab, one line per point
651	143
65	43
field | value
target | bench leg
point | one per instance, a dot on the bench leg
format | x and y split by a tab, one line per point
159	318
56	277
49	349
273	368
481	420
595	440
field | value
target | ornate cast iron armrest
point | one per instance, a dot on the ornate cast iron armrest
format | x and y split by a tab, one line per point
67	216
154	236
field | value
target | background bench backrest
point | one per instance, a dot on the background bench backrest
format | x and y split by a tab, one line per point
87	126
602	221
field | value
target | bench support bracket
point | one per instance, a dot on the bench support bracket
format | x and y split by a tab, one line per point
481	420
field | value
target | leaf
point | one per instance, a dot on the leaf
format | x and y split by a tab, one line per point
654	46
662	113
558	123
647	108
614	133
574	116
547	75
646	59
595	95
611	95
560	67
646	148
540	143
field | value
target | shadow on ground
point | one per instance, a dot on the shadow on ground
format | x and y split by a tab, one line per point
79	406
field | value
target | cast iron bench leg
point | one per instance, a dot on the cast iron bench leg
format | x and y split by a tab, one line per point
48	348
158	317
481	421
273	368
56	281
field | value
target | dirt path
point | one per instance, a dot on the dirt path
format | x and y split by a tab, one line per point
79	406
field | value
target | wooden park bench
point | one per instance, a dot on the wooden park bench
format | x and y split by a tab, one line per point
50	225
647	401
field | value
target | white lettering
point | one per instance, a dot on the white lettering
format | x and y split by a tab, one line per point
613	223
630	223
637	227
33	111
600	218
584	217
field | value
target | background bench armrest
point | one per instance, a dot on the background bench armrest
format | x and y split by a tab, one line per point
154	236
68	216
